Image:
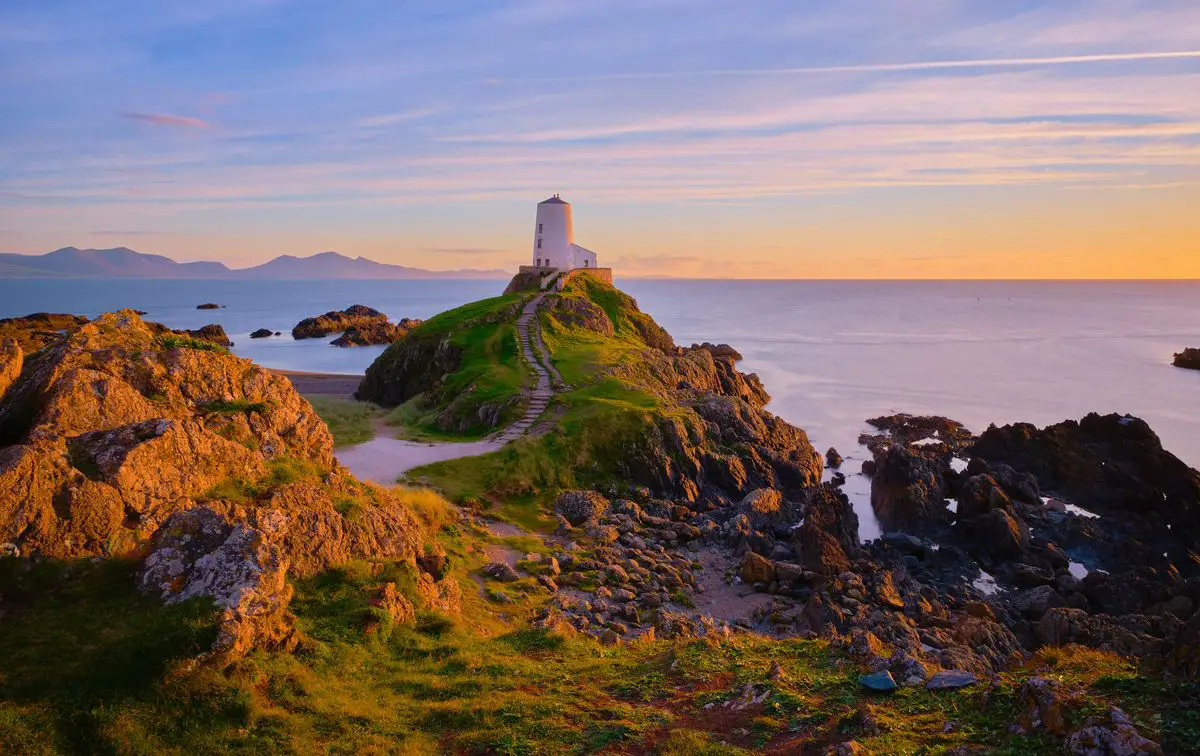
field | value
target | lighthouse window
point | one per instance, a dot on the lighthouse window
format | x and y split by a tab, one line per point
539	243
539	228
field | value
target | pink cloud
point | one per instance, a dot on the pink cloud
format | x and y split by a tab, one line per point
165	119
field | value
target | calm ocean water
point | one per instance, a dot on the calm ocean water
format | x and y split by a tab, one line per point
831	353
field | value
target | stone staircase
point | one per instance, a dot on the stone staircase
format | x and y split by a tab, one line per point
529	335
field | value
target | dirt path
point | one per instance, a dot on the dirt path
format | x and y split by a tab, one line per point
384	459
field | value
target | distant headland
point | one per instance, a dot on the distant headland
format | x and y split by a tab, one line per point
122	262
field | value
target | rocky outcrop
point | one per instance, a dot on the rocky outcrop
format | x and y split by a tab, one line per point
367	334
580	507
908	489
580	312
199	553
336	321
39	330
11	361
108	432
1111	465
1189	358
718	351
263	333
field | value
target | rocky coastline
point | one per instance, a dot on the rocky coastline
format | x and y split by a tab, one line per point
1189	358
684	512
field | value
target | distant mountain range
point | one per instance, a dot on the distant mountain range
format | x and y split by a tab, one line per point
122	262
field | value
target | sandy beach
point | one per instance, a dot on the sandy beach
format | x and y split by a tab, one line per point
340	385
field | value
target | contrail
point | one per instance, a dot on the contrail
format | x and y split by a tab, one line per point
930	65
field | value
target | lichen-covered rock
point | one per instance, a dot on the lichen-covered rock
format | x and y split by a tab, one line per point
1111	734
108	431
11	360
581	507
201	554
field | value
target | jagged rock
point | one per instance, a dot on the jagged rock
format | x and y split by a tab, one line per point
263	333
375	332
757	568
398	609
718	351
829	532
108	433
951	679
1035	602
337	320
1045	705
11	360
39	330
833	460
907	489
443	595
1111	734
1189	358
581	507
199	553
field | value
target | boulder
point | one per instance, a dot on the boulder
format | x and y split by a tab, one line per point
878	681
501	571
1035	602
757	568
908	490
833	460
211	333
581	507
200	553
828	534
1111	734
1045	705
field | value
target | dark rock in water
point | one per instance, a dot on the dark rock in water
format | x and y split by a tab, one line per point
209	306
869	468
951	680
337	320
375	332
838	479
1112	465
911	429
880	681
832	458
263	333
908	489
1188	358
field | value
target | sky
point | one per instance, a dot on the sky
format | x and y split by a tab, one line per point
694	138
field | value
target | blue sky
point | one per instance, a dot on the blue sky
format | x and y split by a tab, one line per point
928	137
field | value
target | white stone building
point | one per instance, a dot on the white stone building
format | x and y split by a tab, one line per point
554	244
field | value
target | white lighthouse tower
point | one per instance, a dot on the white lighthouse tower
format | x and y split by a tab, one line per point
554	244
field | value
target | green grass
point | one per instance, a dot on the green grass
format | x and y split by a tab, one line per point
349	421
175	341
283	470
93	667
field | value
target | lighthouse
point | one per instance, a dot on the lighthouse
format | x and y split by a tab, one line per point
554	246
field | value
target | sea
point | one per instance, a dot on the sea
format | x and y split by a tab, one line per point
831	353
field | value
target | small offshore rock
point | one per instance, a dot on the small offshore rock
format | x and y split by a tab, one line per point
263	333
832	459
209	306
1188	358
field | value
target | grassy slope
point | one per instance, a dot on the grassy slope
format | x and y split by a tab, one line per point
90	667
491	371
595	419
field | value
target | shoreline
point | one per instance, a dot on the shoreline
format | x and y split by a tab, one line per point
340	385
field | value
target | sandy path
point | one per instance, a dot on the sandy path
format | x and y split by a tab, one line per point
384	459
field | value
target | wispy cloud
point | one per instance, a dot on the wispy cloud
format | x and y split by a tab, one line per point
166	119
466	250
403	116
926	65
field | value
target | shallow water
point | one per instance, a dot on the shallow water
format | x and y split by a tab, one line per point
831	353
